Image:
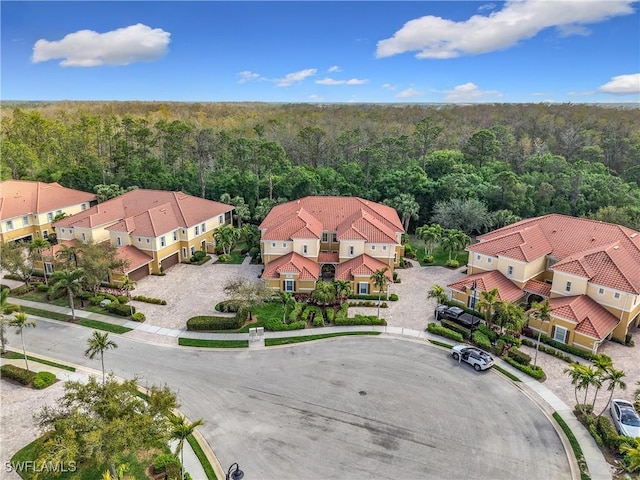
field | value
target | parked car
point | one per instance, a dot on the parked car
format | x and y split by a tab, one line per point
457	315
480	359
625	418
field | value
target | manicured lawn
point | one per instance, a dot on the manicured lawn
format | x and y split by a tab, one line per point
269	342
41	297
236	258
441	257
45	313
262	314
196	342
204	461
98	325
19	356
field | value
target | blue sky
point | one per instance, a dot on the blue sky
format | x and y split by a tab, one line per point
411	52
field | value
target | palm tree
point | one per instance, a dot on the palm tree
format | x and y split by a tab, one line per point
487	304
21	322
580	379
449	242
36	247
408	208
637	396
614	377
439	294
602	364
631	451
98	344
225	237
68	281
510	316
288	300
180	430
380	281
69	254
127	285
542	313
343	288
324	293
431	235
4	321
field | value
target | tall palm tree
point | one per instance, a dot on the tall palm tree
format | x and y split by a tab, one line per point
20	322
439	294
98	344
343	288
288	301
408	208
225	237
449	242
602	365
69	254
487	304
180	430
380	281
542	313
510	316
36	247
614	377
431	235
324	293
68	281
4	321
127	285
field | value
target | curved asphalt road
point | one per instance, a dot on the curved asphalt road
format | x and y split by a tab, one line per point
347	408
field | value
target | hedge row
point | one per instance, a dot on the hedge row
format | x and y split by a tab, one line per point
156	301
227	306
210	322
444	332
276	325
561	346
43	380
464	331
21	375
549	350
519	356
535	372
481	340
122	310
360	320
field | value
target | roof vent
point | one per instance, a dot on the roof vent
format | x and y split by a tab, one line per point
616	247
634	235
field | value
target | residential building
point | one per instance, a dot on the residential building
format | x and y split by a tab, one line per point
326	238
152	229
27	209
589	271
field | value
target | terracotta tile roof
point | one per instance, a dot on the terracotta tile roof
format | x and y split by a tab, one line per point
134	257
362	265
590	318
53	250
538	287
148	212
328	257
21	197
292	263
487	281
351	217
525	245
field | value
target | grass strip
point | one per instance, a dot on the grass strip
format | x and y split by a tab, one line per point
440	344
270	342
577	451
107	327
198	342
19	356
202	458
506	373
44	313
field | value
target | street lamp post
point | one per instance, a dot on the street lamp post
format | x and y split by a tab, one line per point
234	472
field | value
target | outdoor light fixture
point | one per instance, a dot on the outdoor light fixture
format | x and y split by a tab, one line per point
234	472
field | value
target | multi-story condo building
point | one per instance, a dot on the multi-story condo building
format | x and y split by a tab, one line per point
27	209
589	271
326	238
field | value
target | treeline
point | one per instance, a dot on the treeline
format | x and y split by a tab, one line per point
517	160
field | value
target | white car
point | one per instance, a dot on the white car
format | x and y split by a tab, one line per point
480	359
625	418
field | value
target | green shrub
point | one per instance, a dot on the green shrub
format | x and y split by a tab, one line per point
227	306
490	334
331	314
363	297
499	347
156	301
122	310
361	320
95	300
511	340
481	340
428	259
608	432
594	433
318	321
123	299
161	462
444	332
138	317
113	298
393	297
197	256
452	263
10	308
21	375
295	312
22	290
464	331
13	276
409	251
549	350
579	352
42	287
519	356
535	372
210	322
43	380
276	325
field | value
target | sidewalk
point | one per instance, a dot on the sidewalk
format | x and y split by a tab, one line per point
599	469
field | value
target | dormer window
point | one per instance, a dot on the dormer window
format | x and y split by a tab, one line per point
567	288
351	249
304	249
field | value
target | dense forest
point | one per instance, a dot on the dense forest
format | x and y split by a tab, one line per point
482	165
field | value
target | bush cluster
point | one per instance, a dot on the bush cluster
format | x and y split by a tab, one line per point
368	303
43	380
549	350
138	317
361	320
331	314
156	301
122	299
511	340
608	433
226	306
318	321
10	308
210	322
444	332
452	263
342	313
162	463
464	331
561	346
21	375
122	310
364	297
275	325
42	287
481	340
519	356
295	312
393	297
428	259
490	334
22	290
535	372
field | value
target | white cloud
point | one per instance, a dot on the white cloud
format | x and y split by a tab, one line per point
247	76
334	69
409	92
331	81
622	85
388	86
436	37
86	48
486	6
295	77
468	92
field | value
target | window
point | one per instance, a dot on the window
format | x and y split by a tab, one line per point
139	239
489	259
48	268
83	206
84	237
601	291
203	227
567	288
325	237
163	241
289	286
9	224
45	234
304	249
560	334
62	230
335	238
193	251
184	232
363	288
510	270
148	241
58	212
273	245
220	220
373	247
184	252
384	248
284	245
616	295
25	220
118	241
351	250
197	230
50	217
395	257
175	236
